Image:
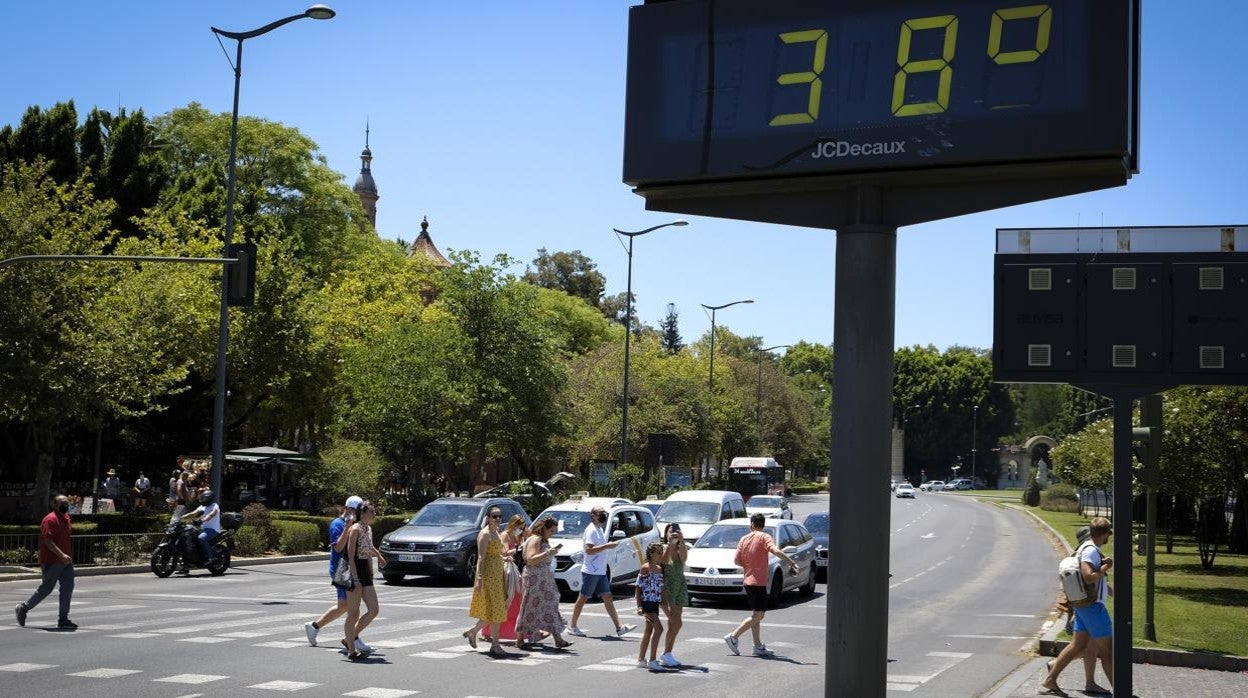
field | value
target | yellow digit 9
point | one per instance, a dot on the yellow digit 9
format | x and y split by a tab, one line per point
812	76
907	67
1043	27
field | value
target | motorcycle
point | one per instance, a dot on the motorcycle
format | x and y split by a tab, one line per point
180	547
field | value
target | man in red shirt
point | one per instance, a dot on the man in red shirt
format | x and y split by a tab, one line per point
752	556
57	564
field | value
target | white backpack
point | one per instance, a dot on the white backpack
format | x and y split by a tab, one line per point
1079	594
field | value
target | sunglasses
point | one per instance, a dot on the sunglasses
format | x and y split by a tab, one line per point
496	516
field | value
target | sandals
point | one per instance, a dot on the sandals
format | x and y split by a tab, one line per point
471	637
497	652
1055	691
562	644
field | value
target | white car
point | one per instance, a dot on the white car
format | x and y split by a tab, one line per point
770	505
904	489
631	525
933	486
962	483
711	571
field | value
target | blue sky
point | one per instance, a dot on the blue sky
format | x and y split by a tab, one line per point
503	123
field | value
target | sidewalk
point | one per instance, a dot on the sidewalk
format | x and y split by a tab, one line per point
1149	681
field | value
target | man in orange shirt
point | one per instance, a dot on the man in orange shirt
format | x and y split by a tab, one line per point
57	563
752	552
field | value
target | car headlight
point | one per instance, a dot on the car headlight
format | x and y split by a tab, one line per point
578	557
452	545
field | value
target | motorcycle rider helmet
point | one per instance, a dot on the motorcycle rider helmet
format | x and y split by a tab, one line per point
208	497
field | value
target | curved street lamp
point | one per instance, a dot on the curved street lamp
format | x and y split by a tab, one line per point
711	396
628	324
223	335
758	409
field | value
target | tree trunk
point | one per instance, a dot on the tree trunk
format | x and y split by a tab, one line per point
1239	525
1210	528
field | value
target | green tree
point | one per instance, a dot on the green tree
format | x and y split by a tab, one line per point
345	468
669	327
570	272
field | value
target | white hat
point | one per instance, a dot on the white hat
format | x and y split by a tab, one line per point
354	502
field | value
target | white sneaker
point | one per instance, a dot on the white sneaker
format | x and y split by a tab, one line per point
365	649
733	644
643	664
576	631
624	630
656	665
668	660
311	633
762	651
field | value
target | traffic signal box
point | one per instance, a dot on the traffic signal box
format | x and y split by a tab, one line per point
1162	317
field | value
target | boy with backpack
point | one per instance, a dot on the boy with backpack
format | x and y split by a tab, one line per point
1086	592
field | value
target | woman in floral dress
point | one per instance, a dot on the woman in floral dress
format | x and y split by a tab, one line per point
539	609
489	593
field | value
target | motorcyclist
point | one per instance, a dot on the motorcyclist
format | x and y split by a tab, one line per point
209	514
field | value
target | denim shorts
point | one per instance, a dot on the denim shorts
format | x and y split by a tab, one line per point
595	585
1094	620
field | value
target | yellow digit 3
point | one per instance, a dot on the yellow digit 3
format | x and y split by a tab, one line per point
813	77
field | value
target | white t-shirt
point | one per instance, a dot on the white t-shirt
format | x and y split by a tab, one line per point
211	518
142	484
1092	555
596	563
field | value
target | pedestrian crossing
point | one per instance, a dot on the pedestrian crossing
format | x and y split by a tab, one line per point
396	637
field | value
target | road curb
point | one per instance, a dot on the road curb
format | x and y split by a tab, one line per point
1050	646
131	569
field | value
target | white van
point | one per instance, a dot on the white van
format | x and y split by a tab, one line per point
698	510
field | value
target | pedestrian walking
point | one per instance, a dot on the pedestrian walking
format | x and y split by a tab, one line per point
539	607
56	562
752	551
650	597
337	541
1094	629
141	487
513	539
594	581
489	591
360	552
675	587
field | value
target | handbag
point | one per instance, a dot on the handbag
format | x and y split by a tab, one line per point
513	579
342	574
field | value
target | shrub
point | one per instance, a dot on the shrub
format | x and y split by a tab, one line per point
1059	497
18	556
122	550
251	541
345	468
257	515
296	537
1031	493
321	522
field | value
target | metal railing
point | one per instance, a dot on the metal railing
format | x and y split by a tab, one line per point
91	549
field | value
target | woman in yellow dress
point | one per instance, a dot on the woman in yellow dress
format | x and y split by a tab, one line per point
489	592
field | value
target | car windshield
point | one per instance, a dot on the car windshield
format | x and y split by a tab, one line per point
764	502
817	523
571	523
727	536
448	514
689	512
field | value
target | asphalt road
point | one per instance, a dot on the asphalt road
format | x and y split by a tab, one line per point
970	584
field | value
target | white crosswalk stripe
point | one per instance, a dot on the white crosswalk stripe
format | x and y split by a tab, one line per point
105	673
381	693
25	666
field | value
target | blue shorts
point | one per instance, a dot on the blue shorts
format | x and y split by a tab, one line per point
595	585
1094	620
342	593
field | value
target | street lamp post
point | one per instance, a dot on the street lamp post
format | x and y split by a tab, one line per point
711	396
758	409
974	435
628	325
223	335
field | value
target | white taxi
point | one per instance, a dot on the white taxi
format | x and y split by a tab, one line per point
629	524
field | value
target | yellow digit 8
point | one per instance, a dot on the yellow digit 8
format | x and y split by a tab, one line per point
812	76
1043	27
907	67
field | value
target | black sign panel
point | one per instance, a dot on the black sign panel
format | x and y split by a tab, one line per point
742	89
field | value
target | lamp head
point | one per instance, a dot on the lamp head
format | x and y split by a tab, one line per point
679	221
319	11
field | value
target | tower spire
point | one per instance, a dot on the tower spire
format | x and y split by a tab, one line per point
365	187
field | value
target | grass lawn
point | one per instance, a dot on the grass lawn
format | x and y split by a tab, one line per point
1196	609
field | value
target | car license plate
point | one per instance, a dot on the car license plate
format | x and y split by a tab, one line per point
408	557
716	581
821	562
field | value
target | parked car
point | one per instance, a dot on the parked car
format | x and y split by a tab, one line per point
933	486
904	489
770	505
633	526
652	504
441	539
817	524
711	571
962	483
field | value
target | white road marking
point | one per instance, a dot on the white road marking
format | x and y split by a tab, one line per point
283	644
900	686
191	678
417	639
135	636
26	666
105	673
229	624
437	655
284	685
990	637
205	640
381	693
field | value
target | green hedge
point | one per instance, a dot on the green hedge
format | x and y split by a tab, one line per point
807	489
251	541
1059	497
79	529
321	522
296	537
